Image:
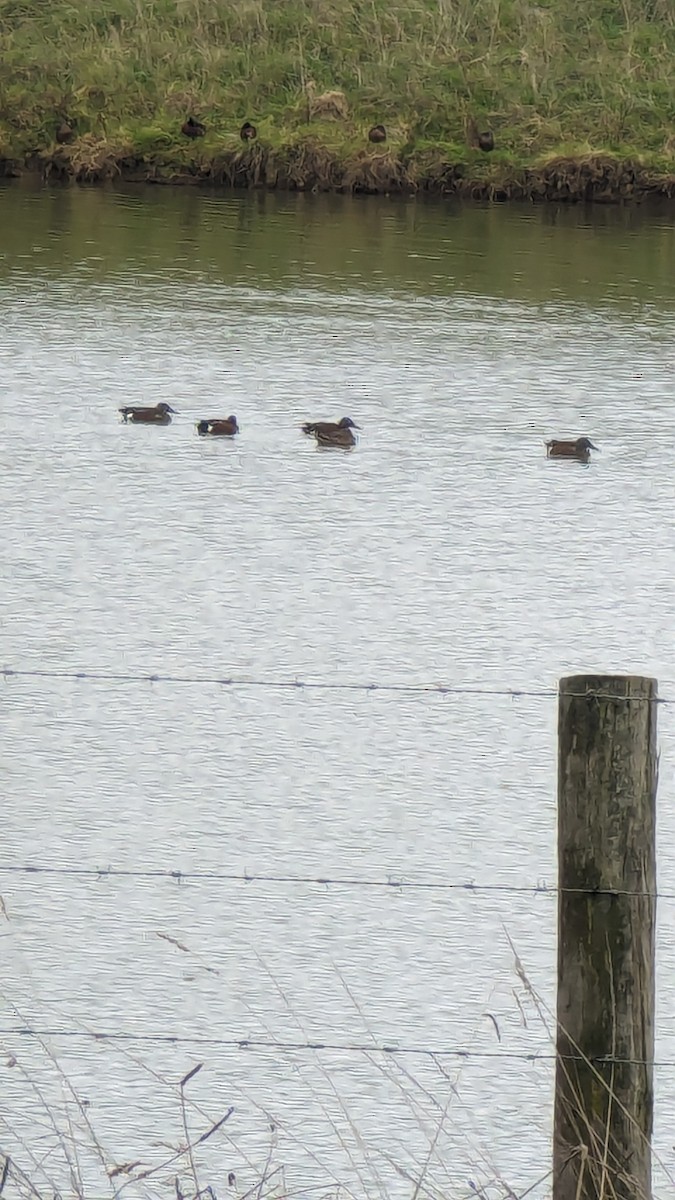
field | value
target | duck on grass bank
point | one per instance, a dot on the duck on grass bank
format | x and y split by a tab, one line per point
64	133
479	139
329	433
192	128
218	427
248	132
579	449
377	134
158	415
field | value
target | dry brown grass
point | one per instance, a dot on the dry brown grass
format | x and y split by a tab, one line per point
331	105
377	173
88	159
308	165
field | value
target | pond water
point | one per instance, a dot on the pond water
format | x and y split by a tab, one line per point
443	550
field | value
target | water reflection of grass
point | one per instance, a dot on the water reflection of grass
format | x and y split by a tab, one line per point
568	77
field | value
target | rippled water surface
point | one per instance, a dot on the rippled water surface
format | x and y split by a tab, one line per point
444	549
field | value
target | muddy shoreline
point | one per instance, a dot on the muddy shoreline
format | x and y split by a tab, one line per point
308	166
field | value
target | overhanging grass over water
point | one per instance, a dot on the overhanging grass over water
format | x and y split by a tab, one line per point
563	81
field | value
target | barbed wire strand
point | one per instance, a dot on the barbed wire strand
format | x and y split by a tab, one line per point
338	1047
179	876
315	684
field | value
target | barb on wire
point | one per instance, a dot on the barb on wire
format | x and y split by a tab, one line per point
245	1043
246	681
425	885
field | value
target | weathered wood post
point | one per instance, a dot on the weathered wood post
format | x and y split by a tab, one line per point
606	917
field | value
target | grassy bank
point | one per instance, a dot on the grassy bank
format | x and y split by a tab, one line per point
580	94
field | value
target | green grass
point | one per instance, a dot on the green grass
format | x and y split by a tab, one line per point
552	77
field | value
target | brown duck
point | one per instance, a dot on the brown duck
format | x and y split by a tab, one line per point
218	427
377	134
64	133
329	433
478	140
192	128
579	448
248	132
158	415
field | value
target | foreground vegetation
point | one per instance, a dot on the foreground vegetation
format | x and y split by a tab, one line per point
561	83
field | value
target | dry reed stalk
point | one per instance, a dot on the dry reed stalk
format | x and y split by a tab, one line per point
352	1127
605	1156
185	1080
392	1069
69	1144
593	1135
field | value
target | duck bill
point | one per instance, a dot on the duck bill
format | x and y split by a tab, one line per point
597	448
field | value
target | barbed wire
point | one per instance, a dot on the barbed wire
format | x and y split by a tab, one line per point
316	684
428	885
245	1043
249	681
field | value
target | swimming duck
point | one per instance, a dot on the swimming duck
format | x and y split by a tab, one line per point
580	448
248	132
218	427
192	128
377	134
329	433
158	415
336	437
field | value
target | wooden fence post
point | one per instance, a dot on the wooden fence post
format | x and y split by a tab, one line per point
606	854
